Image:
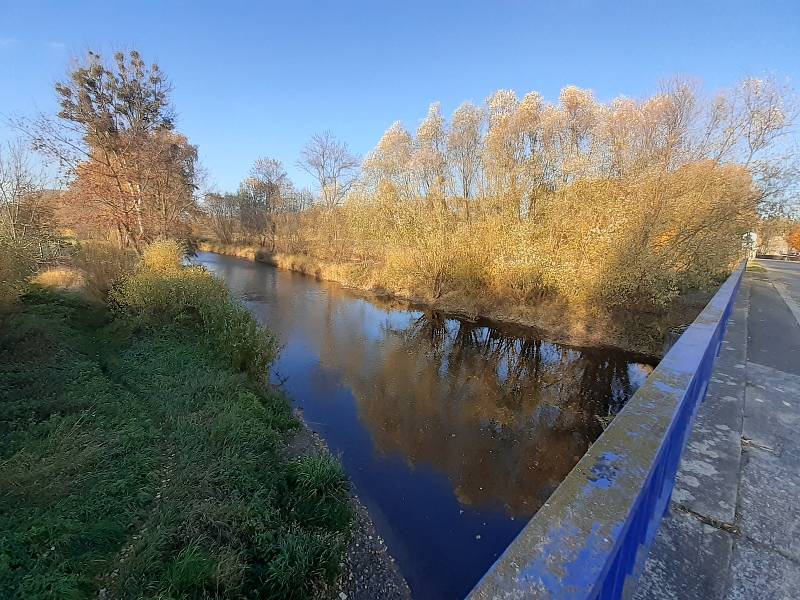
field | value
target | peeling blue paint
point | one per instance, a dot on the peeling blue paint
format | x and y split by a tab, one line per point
604	472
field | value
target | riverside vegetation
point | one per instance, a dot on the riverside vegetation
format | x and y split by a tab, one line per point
141	454
576	216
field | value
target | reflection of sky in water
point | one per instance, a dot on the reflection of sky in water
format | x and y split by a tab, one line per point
453	433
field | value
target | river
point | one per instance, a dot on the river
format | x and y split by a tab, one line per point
453	433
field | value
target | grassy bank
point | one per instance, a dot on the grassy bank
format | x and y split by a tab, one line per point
137	459
641	331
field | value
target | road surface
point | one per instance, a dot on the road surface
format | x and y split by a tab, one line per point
733	531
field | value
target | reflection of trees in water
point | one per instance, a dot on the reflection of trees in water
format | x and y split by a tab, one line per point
591	380
504	416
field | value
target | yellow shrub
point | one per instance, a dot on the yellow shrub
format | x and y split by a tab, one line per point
164	256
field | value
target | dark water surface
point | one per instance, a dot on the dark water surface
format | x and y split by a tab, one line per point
453	433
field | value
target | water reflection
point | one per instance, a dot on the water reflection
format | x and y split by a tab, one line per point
505	417
454	433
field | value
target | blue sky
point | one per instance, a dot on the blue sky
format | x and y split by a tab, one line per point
254	79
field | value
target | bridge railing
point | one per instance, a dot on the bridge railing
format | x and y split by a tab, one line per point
591	534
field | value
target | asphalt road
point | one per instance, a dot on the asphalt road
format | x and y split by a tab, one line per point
774	331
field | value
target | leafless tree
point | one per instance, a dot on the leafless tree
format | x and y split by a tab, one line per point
330	162
21	194
223	215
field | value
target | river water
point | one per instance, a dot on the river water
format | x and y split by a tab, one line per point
453	433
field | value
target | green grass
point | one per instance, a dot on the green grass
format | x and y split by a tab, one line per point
755	268
137	460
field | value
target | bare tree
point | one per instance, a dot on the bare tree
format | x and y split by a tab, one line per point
330	162
222	211
21	194
269	182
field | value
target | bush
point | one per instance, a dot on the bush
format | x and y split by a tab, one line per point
64	278
163	257
17	262
194	297
103	264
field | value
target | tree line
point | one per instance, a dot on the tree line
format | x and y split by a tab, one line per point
516	198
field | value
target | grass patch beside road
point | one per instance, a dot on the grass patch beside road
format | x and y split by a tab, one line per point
755	268
137	459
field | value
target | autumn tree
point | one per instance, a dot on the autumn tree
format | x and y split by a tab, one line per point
793	238
329	161
261	195
464	149
428	161
115	139
621	202
390	161
24	212
222	211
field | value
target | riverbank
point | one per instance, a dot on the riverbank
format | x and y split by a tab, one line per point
644	332
135	461
368	570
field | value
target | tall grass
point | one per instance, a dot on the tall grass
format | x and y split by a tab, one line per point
138	461
162	291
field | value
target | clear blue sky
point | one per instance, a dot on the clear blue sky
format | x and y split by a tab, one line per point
254	79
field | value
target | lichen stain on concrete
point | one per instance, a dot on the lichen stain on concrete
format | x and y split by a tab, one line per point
704	448
682	496
689	480
700	467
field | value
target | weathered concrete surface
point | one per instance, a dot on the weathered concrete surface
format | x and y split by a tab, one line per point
681	544
769	501
760	573
734	528
773	328
785	277
773	417
708	477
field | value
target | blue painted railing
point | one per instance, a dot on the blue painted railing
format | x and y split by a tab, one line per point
593	531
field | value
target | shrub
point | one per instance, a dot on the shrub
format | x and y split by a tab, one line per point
164	256
17	262
194	297
64	278
103	264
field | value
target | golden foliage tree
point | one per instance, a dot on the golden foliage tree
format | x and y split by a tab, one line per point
130	172
793	238
623	202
